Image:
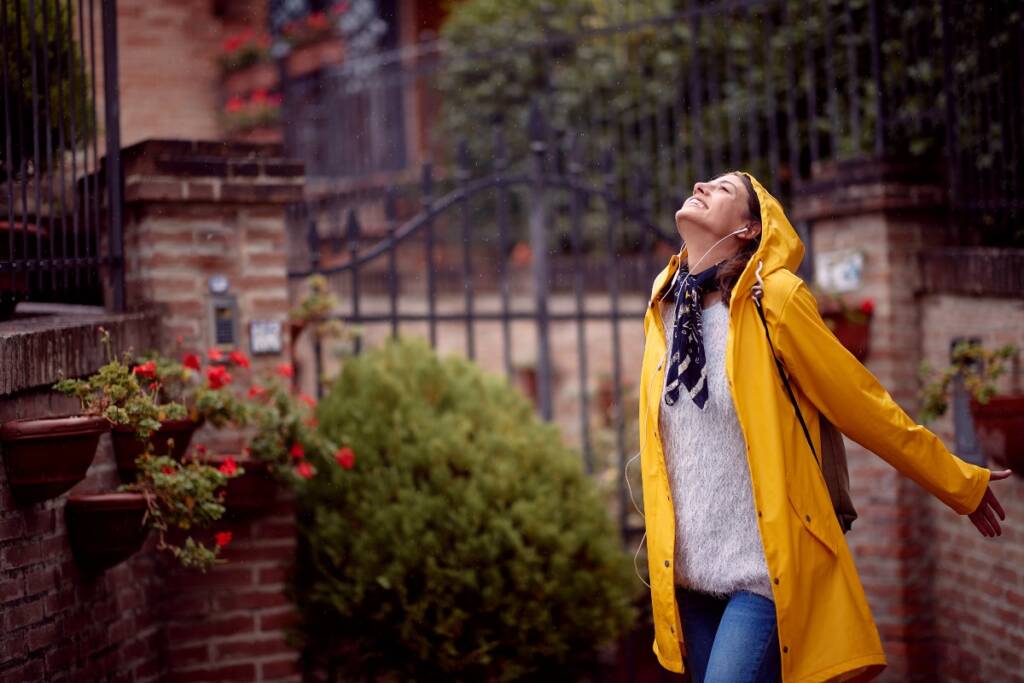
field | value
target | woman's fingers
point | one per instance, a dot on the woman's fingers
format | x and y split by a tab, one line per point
980	524
990	515
994	502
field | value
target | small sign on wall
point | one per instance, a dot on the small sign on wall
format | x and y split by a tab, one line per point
839	271
265	337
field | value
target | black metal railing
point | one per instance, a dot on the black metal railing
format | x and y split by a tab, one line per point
774	86
55	206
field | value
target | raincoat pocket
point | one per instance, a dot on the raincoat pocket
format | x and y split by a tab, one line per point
814	523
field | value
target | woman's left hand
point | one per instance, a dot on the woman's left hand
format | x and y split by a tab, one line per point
985	516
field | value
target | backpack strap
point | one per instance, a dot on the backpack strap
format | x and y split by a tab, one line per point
778	364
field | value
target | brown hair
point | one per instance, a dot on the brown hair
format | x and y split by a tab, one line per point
729	270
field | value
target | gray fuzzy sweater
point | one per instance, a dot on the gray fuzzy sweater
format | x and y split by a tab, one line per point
718	544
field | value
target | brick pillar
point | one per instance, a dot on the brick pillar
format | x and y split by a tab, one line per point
196	209
888	211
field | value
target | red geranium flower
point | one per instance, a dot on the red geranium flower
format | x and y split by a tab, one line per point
218	376
297	451
239	358
311	421
222	538
308	400
867	307
285	370
255	391
304	469
191	360
346	457
228	467
234	105
167	469
232	43
214	354
259	96
147	370
317	21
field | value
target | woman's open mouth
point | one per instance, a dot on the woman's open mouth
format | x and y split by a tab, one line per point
697	201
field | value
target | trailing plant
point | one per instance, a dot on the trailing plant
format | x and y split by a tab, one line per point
979	366
184	495
465	529
122	391
244	49
285	436
260	108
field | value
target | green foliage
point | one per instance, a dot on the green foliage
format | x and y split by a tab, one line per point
115	392
63	101
466	543
183	496
980	368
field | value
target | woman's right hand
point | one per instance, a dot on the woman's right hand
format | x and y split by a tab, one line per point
985	516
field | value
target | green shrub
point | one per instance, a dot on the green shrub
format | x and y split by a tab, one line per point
465	543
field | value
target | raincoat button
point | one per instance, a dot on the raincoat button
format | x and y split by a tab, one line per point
758	513
776	581
666	563
785	648
808	517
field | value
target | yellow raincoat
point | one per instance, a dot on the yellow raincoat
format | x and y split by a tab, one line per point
826	630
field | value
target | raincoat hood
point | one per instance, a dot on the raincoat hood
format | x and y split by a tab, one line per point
780	245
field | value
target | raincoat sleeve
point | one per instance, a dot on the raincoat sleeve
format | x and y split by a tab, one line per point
853	399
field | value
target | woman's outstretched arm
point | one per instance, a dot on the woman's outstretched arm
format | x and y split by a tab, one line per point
853	399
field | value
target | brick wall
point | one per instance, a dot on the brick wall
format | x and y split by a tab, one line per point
192	210
979	582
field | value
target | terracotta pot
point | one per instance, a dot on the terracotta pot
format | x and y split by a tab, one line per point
527	377
305	59
854	336
127	447
249	494
105	528
999	425
45	456
261	75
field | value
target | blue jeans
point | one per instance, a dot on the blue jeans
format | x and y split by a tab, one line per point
730	640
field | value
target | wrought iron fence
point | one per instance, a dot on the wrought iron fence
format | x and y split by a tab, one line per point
54	205
773	85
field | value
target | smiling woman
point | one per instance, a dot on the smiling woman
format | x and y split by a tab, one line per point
750	574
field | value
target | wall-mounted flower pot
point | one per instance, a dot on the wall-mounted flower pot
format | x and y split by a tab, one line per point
127	447
313	56
105	528
249	494
526	376
855	336
999	426
45	456
261	75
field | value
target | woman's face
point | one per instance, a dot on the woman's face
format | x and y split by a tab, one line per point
716	207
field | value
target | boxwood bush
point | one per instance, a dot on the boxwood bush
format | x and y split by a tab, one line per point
465	544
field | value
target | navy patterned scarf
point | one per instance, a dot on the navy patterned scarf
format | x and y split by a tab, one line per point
686	361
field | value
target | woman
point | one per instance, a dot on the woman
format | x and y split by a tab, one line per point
751	577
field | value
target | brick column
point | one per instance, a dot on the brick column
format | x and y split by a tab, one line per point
195	209
889	211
